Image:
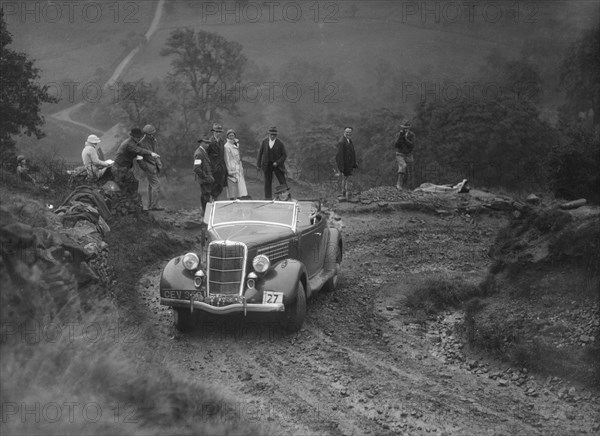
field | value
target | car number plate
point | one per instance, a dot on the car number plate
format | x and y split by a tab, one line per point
270	297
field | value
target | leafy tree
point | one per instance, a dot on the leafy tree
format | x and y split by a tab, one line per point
315	151
519	79
141	104
580	75
573	165
522	79
495	142
375	132
209	65
20	96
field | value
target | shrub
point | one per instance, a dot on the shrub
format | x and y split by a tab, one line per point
440	292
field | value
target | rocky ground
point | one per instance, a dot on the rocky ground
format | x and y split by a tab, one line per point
365	363
368	361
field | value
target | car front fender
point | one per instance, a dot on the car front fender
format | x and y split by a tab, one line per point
176	277
283	277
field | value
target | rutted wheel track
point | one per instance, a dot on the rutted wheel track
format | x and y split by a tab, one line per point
349	371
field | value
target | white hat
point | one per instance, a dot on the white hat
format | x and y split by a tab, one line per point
93	139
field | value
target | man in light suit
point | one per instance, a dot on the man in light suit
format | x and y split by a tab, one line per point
271	159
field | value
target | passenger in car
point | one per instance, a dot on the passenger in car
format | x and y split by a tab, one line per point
282	193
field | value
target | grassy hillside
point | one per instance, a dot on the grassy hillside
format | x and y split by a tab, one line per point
81	42
378	30
431	43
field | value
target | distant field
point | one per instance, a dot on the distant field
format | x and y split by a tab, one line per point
348	36
390	30
82	42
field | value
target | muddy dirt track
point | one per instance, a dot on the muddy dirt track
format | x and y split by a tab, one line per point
363	363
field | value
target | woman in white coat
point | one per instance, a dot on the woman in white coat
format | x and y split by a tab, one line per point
236	183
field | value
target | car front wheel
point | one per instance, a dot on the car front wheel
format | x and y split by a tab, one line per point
294	314
183	319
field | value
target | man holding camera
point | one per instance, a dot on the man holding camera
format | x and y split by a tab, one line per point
404	154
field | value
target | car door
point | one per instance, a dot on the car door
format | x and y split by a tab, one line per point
312	247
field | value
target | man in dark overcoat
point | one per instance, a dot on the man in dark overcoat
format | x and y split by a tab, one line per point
216	154
203	172
346	160
123	166
271	159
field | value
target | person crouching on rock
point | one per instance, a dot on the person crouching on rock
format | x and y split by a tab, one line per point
23	170
94	166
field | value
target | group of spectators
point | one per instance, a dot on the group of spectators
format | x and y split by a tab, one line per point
141	146
218	165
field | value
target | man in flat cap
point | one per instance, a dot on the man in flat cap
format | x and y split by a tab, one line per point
216	154
203	172
405	145
126	153
271	159
151	167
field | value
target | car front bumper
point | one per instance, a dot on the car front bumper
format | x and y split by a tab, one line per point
222	310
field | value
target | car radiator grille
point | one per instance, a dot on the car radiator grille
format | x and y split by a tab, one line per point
226	267
276	252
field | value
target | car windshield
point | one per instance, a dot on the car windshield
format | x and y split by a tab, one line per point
272	212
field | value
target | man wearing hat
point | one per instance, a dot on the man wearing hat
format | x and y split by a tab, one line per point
282	193
94	166
126	153
216	154
203	171
404	154
345	159
271	159
151	166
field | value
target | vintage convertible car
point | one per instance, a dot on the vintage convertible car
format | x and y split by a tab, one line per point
256	256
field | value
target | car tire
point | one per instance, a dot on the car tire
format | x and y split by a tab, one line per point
332	284
184	320
294	314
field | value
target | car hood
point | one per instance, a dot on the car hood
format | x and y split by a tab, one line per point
251	234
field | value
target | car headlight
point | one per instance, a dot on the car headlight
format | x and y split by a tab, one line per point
261	263
191	261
